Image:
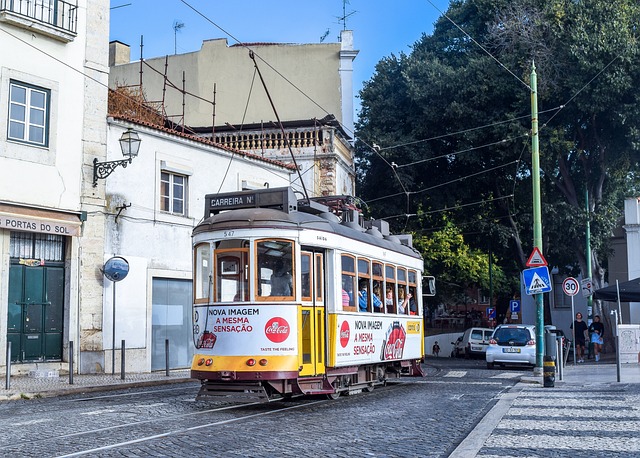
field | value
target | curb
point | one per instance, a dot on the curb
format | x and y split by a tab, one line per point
16	394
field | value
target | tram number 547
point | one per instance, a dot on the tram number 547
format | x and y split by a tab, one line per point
229	233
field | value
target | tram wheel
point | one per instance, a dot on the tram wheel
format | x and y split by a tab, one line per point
333	396
368	389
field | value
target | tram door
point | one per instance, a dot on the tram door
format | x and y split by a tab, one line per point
312	312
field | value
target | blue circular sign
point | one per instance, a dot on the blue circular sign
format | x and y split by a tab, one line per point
116	268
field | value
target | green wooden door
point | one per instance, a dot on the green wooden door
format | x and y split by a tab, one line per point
35	312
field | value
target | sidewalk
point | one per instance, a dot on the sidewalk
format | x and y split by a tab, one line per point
536	421
32	387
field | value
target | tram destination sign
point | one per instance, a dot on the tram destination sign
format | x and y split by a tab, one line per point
218	202
280	198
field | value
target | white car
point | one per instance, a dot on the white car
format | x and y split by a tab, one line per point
473	342
512	344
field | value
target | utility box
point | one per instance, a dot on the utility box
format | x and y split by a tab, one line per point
550	346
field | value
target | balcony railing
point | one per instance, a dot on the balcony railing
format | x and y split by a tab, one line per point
53	13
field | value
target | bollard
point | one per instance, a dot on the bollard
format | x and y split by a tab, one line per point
166	357
8	381
122	350
549	372
71	362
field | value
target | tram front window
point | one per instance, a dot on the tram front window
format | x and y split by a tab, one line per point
231	275
275	267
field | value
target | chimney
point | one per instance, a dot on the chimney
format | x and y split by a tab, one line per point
119	53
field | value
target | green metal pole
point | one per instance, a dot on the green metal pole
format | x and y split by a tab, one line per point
537	215
588	267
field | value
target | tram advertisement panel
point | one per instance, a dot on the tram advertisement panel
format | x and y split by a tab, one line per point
246	330
366	340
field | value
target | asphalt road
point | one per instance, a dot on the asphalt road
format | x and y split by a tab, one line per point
414	417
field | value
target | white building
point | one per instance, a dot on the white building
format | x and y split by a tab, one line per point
53	87
152	207
624	263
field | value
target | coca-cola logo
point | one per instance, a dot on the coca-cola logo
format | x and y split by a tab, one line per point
393	348
277	330
345	333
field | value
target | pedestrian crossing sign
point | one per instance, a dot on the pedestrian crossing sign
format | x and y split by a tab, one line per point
536	280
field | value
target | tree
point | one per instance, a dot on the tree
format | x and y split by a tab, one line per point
453	121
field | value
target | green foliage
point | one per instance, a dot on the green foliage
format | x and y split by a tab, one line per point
458	265
456	124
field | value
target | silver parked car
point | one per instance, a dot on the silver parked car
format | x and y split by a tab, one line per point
512	344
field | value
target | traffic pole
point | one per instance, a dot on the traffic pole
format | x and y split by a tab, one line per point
537	215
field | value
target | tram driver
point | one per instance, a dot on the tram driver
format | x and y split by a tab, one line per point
281	280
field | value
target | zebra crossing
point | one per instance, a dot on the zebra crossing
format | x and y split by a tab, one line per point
585	422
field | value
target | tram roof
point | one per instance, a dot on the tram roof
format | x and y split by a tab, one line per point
248	218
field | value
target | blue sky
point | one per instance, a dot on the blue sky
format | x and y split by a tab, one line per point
380	27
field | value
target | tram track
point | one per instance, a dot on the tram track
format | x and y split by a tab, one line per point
139	431
187	430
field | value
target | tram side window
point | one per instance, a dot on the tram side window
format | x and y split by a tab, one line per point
305	276
319	278
390	300
364	285
231	275
348	283
403	297
378	288
413	290
203	281
275	268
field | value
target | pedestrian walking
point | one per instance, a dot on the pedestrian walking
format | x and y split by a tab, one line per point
435	350
596	330
581	333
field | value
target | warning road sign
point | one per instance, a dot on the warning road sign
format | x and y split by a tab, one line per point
536	280
536	259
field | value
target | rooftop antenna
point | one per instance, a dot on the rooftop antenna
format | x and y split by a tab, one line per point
177	25
324	36
344	16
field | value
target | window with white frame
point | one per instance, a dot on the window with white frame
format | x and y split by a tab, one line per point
28	113
173	193
560	299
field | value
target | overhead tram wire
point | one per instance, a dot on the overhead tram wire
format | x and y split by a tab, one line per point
446	183
480	46
464	131
580	90
465	177
456	207
455	153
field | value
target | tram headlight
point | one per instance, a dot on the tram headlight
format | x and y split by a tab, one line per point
263	362
251	362
208	362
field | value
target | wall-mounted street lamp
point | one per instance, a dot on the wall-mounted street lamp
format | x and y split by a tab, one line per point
129	144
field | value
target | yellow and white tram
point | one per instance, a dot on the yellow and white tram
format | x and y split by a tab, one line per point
290	300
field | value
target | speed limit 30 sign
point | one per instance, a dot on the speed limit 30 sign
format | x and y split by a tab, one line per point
570	286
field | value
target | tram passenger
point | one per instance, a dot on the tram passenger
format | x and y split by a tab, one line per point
403	301
377	303
281	280
388	300
347	293
363	300
413	306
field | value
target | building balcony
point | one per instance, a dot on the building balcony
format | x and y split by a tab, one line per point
54	18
